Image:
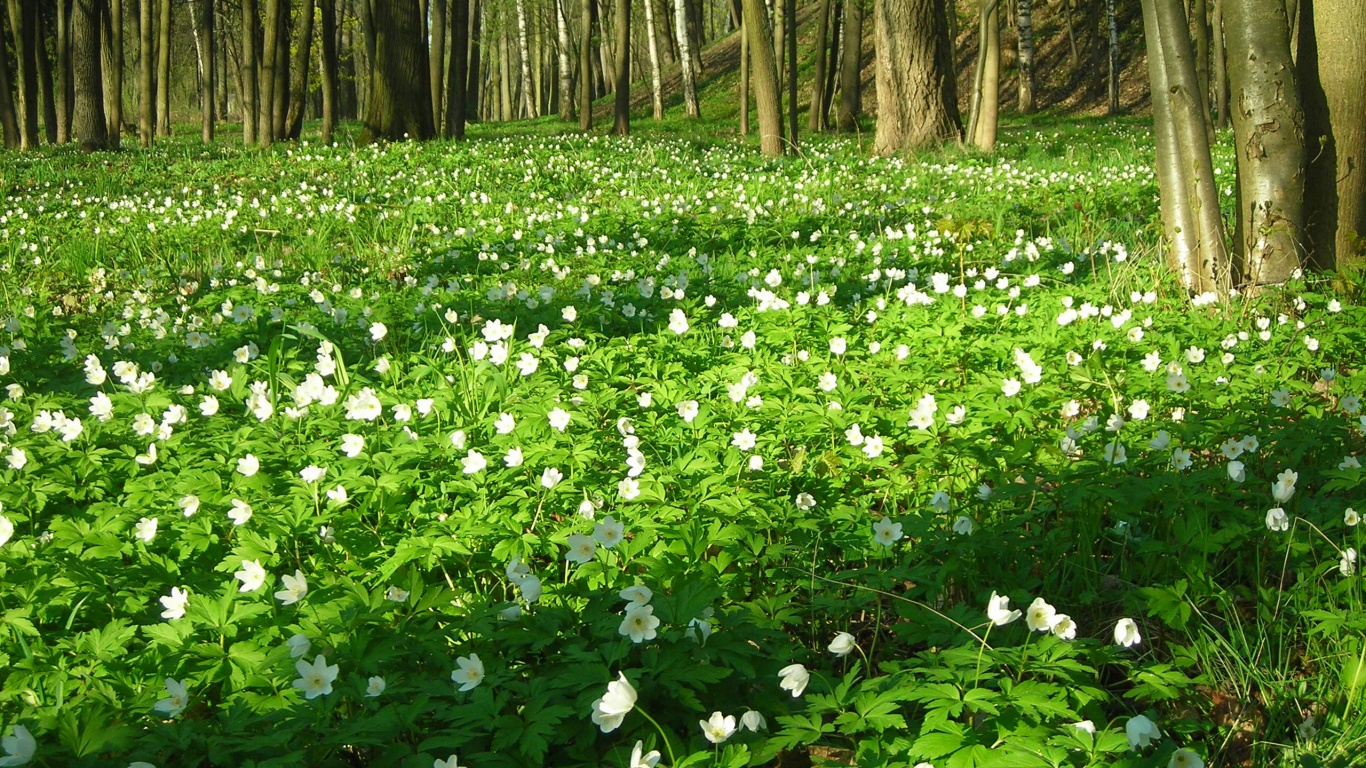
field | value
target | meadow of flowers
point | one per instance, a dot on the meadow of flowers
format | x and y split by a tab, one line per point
565	451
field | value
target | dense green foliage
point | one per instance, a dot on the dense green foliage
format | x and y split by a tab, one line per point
384	408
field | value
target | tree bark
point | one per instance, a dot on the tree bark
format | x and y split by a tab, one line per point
816	117
265	109
1200	42
88	124
65	95
1024	24
1112	83
204	43
146	53
744	75
458	75
1220	74
221	59
986	100
524	53
112	29
916	90
851	67
586	67
1174	196
1268	129
790	32
25	49
1332	76
298	72
685	59
9	119
164	69
621	111
400	106
832	62
562	52
471	100
764	74
656	87
437	60
328	68
505	86
45	84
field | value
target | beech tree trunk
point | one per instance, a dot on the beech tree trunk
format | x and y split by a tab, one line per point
208	77
1112	83
1199	19
686	60
328	68
251	96
146	53
437	60
832	67
816	116
621	111
744	75
25	48
1220	74
1024	24
112	30
471	99
916	90
1174	195
88	123
529	106
298	87
566	73
986	98
790	32
656	88
65	95
764	74
1332	76
400	104
1268	127
164	69
458	75
505	85
45	84
851	67
586	66
9	120
265	110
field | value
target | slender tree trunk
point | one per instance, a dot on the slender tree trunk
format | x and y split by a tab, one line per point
792	111
656	88
1220	75
279	109
458	74
1200	42
986	101
365	16
164	69
524	52
832	63
208	90
685	59
693	14
764	74
1072	34
816	116
780	38
1024	24
472	91
1332	75
45	85
25	48
221	59
328	68
1112	83
437	61
586	67
917	104
9	119
851	67
298	88
113	71
88	124
1268	126
265	109
562	51
66	96
1174	195
146	53
621	112
400	106
744	76
505	85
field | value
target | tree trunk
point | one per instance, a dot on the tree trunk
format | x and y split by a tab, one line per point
400	106
916	91
65	97
764	74
1112	83
437	60
146	53
1024	25
1174	195
586	67
9	120
851	67
221	59
832	62
328	68
1220	75
505	85
524	51
458	74
279	108
26	50
685	59
112	29
987	98
204	45
744	75
621	111
164	69
780	37
790	32
1268	127
656	87
471	100
1332	75
566	66
816	117
298	87
1072	35
1200	42
45	85
88	124
265	110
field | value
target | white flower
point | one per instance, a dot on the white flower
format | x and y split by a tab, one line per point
450	762
609	532
581	548
1063	627
559	418
1138	409
146	529
940	502
208	406
628	489
240	512
886	532
872	446
1284	487
470	672
998	610
1160	441
315	679
804	501
352	445
298	646
338	495
1350	518
1236	471
794	678
744	440
377	332
312	473
638	594
1277	520
174	603
843	644
718	727
1126	633
473	462
827	382
1184	758
687	410
1010	387
296	587
639	623
1181	459
1348	564
395	594
678	322
1040	616
1141	732
642	759
1115	453
615	704
513	458
375	687
18	458
963	526
838	345
252	576
19	747
177	699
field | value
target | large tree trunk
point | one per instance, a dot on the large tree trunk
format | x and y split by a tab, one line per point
1112	82
1268	127
458	75
265	109
524	52
298	88
790	33
586	66
88	124
764	74
621	111
986	99
1332	77
164	69
201	17
505	86
1220	74
1209	266
1199	19
656	87
65	96
437	60
566	73
146	94
916	92
112	29
400	106
686	61
26	51
851	67
328	69
1024	25
9	120
816	116
1174	196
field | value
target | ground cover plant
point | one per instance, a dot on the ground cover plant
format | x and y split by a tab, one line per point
554	450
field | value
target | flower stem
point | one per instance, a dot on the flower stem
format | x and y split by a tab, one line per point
668	747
